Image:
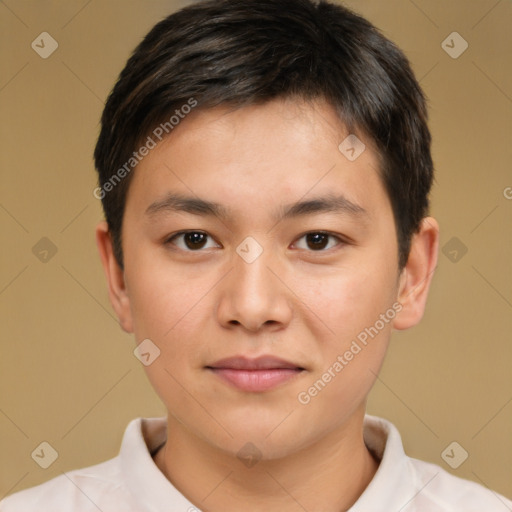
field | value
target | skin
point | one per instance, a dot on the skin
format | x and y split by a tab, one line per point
295	301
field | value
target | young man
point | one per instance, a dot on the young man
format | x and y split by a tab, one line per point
264	168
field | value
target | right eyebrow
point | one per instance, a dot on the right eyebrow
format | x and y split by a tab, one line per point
174	202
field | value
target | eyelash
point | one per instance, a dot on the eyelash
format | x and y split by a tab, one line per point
341	242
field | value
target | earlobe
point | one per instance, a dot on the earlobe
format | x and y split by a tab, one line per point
115	278
415	279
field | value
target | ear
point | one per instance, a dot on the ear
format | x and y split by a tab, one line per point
115	277
416	276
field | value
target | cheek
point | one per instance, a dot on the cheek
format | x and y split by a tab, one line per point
344	302
351	303
350	359
163	299
166	305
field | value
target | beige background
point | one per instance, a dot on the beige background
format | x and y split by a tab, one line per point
68	374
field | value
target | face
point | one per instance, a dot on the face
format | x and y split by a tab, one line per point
301	297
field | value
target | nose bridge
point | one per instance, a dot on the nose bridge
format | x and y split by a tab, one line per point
252	294
251	273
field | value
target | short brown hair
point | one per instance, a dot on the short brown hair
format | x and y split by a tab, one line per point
242	52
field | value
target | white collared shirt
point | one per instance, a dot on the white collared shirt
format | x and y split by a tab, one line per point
131	482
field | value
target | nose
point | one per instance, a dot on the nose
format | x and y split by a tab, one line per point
254	294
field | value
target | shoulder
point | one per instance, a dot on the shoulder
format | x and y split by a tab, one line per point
93	488
440	490
118	484
413	485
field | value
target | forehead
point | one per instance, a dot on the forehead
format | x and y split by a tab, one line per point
262	156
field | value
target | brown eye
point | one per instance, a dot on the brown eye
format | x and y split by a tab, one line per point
194	240
317	241
190	240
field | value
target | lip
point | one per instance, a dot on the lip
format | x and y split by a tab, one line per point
255	375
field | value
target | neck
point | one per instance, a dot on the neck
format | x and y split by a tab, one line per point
327	476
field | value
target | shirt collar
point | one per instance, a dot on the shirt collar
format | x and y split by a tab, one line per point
393	485
391	488
148	485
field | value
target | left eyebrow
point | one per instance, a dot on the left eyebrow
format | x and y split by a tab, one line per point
329	204
174	202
